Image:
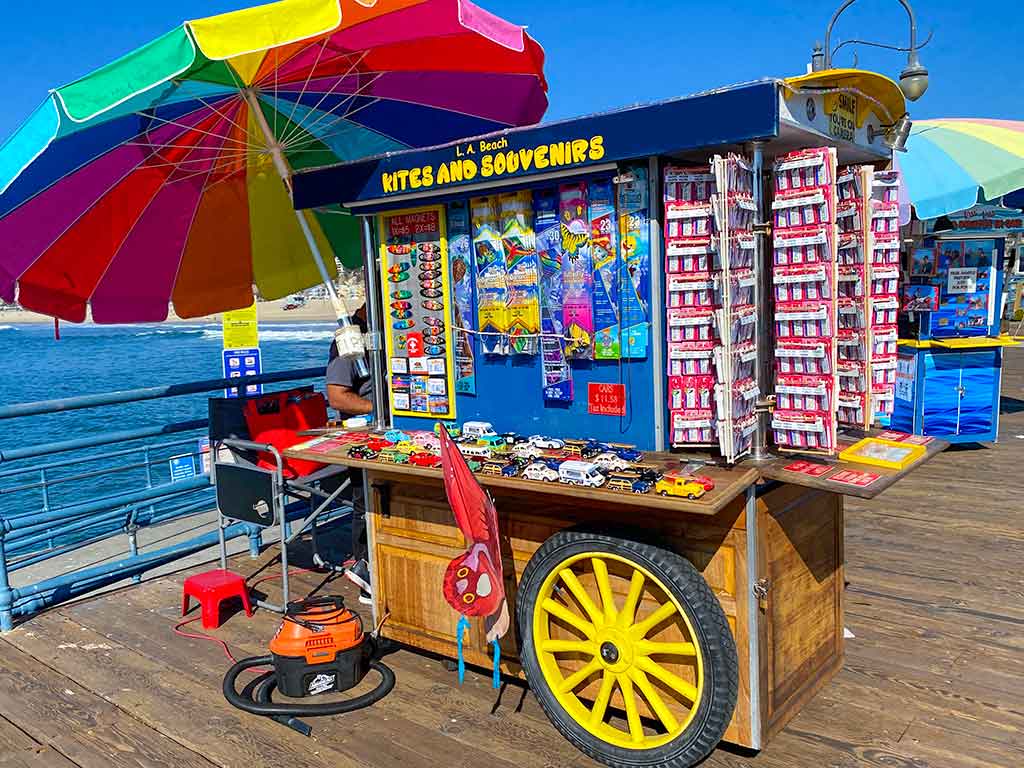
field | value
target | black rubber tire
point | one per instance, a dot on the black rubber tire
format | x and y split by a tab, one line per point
721	667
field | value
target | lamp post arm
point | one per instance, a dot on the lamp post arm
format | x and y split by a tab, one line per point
839	11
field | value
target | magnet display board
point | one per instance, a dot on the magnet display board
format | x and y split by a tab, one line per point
414	276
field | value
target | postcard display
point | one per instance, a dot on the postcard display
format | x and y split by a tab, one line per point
711	320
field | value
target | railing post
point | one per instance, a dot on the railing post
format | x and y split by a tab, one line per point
6	596
132	529
46	501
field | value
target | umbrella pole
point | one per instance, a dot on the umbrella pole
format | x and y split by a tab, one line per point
349	338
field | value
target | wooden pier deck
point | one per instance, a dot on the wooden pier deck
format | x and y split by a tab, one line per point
933	677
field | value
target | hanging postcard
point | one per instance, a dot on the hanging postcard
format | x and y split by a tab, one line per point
604	255
491	287
557	374
521	272
635	262
460	256
577	272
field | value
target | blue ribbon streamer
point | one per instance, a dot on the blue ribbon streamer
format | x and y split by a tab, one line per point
463	625
497	665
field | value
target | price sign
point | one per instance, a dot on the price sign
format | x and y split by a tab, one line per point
606	399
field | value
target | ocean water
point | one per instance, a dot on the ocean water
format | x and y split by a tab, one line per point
92	359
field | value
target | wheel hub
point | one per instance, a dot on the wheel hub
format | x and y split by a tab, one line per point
609	652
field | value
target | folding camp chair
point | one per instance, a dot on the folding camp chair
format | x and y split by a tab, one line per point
256	484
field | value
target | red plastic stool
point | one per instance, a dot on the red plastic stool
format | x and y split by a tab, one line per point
211	589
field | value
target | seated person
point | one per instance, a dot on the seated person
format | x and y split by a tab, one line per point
350	395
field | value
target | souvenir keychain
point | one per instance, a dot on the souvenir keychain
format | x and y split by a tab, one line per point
430	248
434	322
402	266
429	283
401	314
401	295
398	277
401	305
431	305
399	250
430	293
429	274
429	258
435	350
403	325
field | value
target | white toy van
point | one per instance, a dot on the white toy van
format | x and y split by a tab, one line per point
478	429
580	473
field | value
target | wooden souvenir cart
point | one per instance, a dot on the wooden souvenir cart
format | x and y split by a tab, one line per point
649	626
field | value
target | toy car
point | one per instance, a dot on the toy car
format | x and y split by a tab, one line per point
428	460
395	436
526	450
707	482
513	438
580	473
427	440
629	483
679	485
646	472
474	465
497	467
378	444
391	456
551	443
629	454
362	452
609	460
494	441
451	426
538	470
478	451
478	429
407	447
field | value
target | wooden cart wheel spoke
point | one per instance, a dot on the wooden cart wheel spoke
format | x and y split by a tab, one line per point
639	631
636	587
650	648
559	611
636	729
572	682
573	583
673	681
661	711
604	587
604	695
569	646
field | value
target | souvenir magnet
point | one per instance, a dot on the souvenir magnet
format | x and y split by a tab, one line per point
430	305
401	294
401	314
435	350
403	325
401	305
429	283
400	277
399	249
436	322
429	274
402	266
430	293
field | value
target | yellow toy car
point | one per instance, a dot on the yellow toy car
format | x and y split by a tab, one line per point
678	485
407	447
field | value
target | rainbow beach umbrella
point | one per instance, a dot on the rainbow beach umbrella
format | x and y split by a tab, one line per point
164	176
953	163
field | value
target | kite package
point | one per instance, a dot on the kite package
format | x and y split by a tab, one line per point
577	272
522	275
556	372
809	282
491	283
460	264
634	262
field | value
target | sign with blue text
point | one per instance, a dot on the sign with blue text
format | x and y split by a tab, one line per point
239	363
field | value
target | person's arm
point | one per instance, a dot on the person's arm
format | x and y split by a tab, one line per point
346	401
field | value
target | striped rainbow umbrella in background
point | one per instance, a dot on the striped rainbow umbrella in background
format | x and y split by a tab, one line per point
953	163
163	176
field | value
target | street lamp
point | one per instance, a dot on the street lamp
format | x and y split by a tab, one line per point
913	79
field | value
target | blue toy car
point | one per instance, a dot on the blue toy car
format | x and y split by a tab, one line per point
396	436
629	454
641	486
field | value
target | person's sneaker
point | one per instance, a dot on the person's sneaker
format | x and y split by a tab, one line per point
359	574
365	597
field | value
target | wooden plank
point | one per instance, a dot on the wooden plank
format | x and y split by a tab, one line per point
65	716
729	483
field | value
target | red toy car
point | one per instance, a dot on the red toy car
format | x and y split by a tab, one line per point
425	460
707	482
378	443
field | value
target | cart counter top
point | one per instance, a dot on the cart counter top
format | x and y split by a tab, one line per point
822	473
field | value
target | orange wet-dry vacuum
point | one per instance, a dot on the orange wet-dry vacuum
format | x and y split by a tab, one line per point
319	648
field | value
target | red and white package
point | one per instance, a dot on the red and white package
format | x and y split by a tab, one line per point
690	392
805	282
690	323
850	315
688	185
807	245
687	290
850	282
744	358
848	186
885	216
744	398
883	399
799	429
885	251
802	210
851	408
741	288
692	427
883	372
852	377
851	345
742	325
688	219
688	254
803	169
690	358
851	249
795	392
885	311
849	217
885	281
885	186
883	342
803	356
803	319
741	251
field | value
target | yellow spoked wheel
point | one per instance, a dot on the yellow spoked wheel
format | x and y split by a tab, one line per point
627	649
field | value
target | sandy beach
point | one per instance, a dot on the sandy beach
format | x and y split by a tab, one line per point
314	310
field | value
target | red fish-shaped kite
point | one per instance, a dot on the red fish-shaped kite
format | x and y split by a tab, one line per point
473	582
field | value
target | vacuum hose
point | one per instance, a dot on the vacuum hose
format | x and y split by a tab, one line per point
255	697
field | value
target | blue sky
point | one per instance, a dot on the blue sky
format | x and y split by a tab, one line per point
600	53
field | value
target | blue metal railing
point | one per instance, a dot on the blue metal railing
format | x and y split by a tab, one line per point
93	487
